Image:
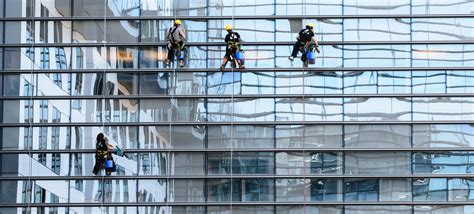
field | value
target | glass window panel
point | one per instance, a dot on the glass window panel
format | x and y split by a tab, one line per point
354	7
429	81
299	163
88	31
450	108
395	190
394	82
187	163
442	29
187	190
158	83
381	109
442	7
377	136
121	110
460	189
257	83
121	84
250	7
15	28
377	162
443	163
325	189
164	110
455	135
241	163
155	163
378	209
308	209
224	83
291	190
224	110
430	189
154	137
299	7
329	82
152	191
152	57
19	58
460	82
451	55
289	109
92	58
240	190
386	56
240	137
188	83
323	109
122	31
289	83
376	29
361	189
188	137
359	82
309	136
439	209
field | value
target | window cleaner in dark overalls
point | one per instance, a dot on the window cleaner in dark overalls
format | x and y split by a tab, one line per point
103	152
176	39
306	41
232	40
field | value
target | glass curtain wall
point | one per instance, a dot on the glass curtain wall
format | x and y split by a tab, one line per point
381	123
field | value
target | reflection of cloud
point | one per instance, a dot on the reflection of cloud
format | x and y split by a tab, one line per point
429	54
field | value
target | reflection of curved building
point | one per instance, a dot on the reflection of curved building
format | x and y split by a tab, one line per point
382	123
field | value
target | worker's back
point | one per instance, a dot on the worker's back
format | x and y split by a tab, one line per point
176	34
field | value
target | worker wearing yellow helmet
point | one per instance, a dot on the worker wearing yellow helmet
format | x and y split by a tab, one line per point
232	40
176	43
306	39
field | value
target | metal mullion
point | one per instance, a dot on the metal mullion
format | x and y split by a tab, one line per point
207	44
76	151
241	96
261	123
239	176
252	70
241	17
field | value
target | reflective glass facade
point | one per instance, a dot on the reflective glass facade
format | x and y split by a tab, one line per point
382	123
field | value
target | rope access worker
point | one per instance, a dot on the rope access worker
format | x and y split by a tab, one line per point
103	152
176	39
232	40
306	40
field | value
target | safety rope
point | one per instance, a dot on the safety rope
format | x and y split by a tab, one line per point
232	118
305	193
31	112
103	101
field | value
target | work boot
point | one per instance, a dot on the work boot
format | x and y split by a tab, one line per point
167	62
222	67
291	58
242	66
181	63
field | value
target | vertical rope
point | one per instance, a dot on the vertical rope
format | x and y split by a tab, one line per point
31	109
304	118
232	121
103	102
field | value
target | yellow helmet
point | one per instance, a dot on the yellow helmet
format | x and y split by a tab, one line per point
228	27
311	25
178	22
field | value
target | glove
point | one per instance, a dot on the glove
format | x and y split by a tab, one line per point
317	49
169	45
182	46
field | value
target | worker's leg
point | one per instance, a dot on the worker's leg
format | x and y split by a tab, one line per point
226	58
296	48
99	161
170	53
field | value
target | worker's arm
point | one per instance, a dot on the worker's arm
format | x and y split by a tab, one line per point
314	40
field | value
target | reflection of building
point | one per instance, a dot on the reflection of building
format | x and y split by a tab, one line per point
384	126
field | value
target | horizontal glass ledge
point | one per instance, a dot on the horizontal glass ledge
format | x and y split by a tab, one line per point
154	44
234	203
238	17
253	123
238	176
236	150
211	70
234	96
